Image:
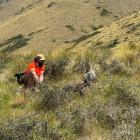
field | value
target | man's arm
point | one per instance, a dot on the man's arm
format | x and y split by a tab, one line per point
41	78
35	75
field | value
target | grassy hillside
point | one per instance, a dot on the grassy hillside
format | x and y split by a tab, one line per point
12	8
71	35
108	109
44	20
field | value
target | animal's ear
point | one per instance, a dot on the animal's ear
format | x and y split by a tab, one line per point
16	75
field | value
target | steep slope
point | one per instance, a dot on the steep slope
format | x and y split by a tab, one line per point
52	23
108	109
11	8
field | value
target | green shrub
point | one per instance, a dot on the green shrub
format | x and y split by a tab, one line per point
112	43
55	97
23	128
84	37
96	27
117	68
104	12
56	69
70	27
14	43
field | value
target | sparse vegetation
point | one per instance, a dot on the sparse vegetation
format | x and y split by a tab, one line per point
70	27
113	43
110	106
84	37
10	46
13	44
37	32
51	4
26	8
98	7
65	112
96	27
104	12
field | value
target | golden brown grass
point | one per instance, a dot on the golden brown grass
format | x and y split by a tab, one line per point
127	53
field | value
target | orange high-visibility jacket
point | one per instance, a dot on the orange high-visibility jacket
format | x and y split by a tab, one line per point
38	70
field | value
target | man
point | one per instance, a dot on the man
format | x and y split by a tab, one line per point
33	75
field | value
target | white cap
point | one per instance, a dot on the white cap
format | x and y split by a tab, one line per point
42	57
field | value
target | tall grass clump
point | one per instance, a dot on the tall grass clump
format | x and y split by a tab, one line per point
126	53
56	62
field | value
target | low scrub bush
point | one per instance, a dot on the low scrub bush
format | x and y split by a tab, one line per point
56	69
104	12
84	37
96	27
28	128
56	63
70	27
117	67
55	97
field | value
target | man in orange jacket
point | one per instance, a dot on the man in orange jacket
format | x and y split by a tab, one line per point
34	74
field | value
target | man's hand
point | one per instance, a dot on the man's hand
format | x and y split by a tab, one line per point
35	76
41	78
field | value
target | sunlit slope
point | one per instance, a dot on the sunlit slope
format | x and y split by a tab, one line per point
11	8
54	23
108	109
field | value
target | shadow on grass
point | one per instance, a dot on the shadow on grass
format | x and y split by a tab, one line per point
14	43
18	105
10	46
84	37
